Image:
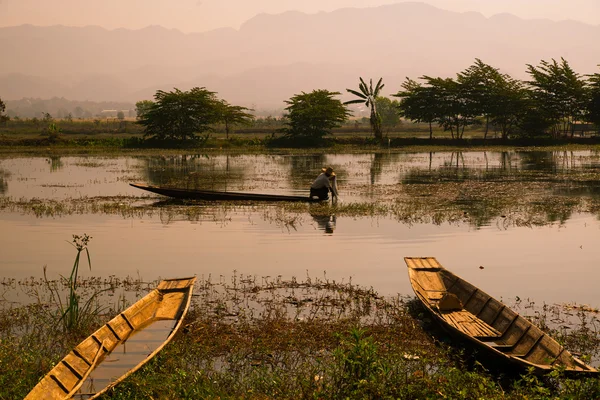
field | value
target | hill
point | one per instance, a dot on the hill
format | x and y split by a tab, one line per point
272	57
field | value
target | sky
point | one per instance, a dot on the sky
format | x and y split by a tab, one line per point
203	15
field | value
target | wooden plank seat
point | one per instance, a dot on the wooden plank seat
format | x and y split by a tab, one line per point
507	347
500	346
467	323
423	264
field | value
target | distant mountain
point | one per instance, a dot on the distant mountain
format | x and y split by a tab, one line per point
272	57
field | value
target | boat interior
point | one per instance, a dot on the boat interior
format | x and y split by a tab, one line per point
477	315
167	302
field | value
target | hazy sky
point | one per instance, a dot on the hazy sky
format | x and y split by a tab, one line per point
203	15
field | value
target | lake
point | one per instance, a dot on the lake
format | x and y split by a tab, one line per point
513	223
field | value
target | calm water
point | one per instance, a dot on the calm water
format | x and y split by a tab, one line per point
558	262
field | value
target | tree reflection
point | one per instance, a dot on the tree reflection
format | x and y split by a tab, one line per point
478	188
538	161
452	168
508	166
378	162
3	181
55	162
304	169
195	172
500	189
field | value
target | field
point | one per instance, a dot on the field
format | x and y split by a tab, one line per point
106	127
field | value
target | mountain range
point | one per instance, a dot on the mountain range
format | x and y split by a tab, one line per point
272	57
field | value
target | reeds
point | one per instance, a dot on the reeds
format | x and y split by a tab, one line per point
73	314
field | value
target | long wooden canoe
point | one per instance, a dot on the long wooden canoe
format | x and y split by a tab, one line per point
190	194
132	338
469	313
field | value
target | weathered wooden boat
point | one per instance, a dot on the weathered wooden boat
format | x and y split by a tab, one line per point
468	313
192	194
88	370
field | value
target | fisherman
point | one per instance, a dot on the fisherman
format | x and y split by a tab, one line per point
324	184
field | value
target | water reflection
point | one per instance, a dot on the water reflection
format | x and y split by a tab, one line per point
55	162
3	183
325	222
465	208
302	169
193	171
525	262
379	161
479	186
540	161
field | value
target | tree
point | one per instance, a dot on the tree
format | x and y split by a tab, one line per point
510	102
389	111
313	115
535	120
367	95
480	82
493	95
593	106
142	107
560	91
3	118
418	103
181	115
121	115
54	132
234	115
454	109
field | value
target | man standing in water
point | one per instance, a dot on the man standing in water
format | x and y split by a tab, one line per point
324	184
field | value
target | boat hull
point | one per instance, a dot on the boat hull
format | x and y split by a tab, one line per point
169	301
188	194
472	315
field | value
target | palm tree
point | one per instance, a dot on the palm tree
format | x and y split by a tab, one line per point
368	96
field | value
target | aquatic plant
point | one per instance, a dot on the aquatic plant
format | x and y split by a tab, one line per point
72	314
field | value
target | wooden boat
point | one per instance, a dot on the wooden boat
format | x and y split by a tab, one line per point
190	194
468	313
154	318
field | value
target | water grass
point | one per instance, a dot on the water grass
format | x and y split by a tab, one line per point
451	203
72	316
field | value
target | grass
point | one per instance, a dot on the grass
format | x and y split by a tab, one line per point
263	338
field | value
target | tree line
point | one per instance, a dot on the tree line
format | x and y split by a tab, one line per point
550	103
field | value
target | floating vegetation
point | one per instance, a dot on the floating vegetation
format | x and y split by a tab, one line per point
453	203
95	164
